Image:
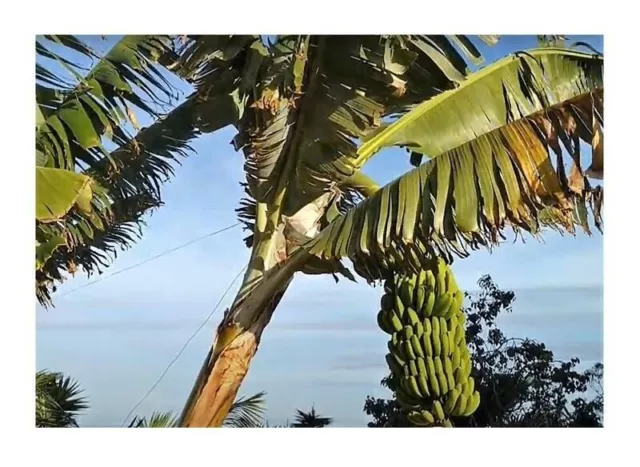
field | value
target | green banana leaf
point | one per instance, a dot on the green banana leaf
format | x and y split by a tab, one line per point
59	190
45	250
532	81
491	142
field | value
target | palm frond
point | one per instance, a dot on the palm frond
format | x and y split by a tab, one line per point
157	420
247	412
58	400
490	141
310	419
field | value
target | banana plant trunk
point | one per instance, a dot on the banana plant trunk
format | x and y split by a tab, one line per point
222	374
237	341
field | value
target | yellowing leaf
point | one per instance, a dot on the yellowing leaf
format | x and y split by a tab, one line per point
58	190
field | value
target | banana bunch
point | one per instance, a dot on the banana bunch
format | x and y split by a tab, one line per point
428	353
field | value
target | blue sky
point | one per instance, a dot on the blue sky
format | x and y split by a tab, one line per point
118	335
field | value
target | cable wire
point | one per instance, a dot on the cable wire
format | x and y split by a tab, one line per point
166	252
166	370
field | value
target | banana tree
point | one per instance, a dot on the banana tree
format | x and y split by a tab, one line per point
310	111
497	142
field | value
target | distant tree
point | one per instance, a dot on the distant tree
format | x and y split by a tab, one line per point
58	400
520	382
310	420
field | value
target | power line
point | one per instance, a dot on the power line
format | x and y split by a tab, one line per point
166	252
166	370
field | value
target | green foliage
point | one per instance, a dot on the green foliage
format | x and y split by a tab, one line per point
157	420
490	165
246	412
520	382
58	400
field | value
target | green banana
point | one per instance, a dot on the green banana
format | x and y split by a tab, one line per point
397	351
404	293
442	378
471	383
435	326
426	344
458	300
418	419
451	282
433	379
431	280
452	325
442	304
422	384
387	301
426	324
452	398
422	368
428	416
383	323
405	399
399	306
465	363
429	302
444	338
420	296
452	310
422	278
461	405
441	277
413	369
472	404
408	348
448	371
412	385
411	288
418	329
435	336
395	338
408	332
412	316
417	348
455	358
447	424
437	410
459	337
399	360
394	320
466	389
